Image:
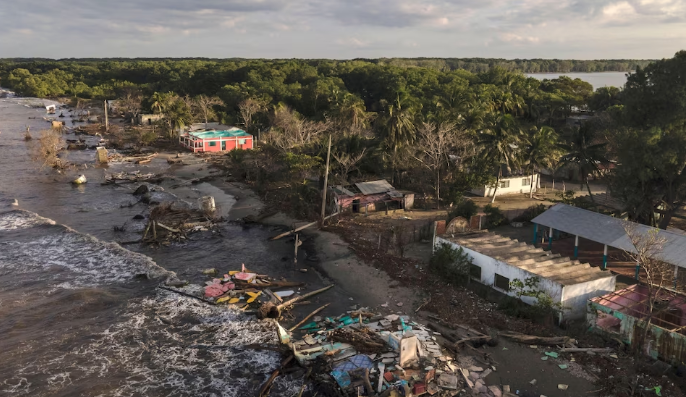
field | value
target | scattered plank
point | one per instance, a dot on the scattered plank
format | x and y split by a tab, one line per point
307	318
264	390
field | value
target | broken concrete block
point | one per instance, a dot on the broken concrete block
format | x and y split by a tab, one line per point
447	381
495	390
408	350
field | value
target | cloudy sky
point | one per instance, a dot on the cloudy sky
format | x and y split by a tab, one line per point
581	29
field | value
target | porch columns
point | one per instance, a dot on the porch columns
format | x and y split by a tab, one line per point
550	239
605	257
535	232
576	247
638	268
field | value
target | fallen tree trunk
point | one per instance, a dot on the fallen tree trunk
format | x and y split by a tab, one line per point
537	340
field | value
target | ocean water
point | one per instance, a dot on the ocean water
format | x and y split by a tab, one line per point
597	80
81	316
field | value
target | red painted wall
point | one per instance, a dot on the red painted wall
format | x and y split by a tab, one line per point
231	144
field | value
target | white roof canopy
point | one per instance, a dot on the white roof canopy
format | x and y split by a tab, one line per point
610	231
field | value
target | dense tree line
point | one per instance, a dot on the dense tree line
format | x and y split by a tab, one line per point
426	124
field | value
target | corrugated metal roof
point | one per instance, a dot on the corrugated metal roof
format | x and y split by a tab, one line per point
554	267
610	231
374	187
341	190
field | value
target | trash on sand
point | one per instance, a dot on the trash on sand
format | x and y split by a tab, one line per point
533	346
284	294
80	180
551	354
544	358
210	272
562	386
533	382
562	366
613	355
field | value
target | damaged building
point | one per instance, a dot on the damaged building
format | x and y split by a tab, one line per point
624	314
499	260
371	196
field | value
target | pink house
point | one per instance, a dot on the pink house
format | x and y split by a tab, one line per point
216	141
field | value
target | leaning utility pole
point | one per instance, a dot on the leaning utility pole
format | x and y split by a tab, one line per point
107	124
326	182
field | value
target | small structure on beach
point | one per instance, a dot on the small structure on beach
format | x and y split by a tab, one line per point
625	314
216	140
498	260
371	196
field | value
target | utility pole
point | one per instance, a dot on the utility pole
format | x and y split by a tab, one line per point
107	124
326	181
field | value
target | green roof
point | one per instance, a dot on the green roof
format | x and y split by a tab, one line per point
234	132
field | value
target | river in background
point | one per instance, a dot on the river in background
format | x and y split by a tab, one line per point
597	80
77	318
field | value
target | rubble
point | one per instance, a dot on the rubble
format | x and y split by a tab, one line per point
368	354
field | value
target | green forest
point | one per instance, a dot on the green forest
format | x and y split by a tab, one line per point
437	126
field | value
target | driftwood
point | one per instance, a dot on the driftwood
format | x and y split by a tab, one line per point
185	294
300	228
299	298
307	318
536	340
586	349
264	390
270	310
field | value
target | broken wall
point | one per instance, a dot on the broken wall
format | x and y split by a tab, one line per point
659	343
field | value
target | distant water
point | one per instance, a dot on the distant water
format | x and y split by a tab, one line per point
615	79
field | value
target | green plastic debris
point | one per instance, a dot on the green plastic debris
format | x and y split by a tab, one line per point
551	354
544	358
311	325
347	320
562	366
504	348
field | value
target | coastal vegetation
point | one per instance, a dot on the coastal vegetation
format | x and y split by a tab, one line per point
439	127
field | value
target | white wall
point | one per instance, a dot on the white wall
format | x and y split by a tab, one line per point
575	297
515	186
490	266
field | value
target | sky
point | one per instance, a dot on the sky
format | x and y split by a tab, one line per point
343	29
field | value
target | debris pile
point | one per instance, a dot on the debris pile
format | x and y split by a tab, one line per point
128	177
367	354
168	223
142	159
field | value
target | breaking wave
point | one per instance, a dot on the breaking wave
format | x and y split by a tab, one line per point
75	322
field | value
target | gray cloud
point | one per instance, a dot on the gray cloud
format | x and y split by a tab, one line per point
337	28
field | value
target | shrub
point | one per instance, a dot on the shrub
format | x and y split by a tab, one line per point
530	213
451	264
544	307
494	216
464	208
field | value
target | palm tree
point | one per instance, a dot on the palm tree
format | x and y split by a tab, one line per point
539	151
400	131
584	153
499	142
